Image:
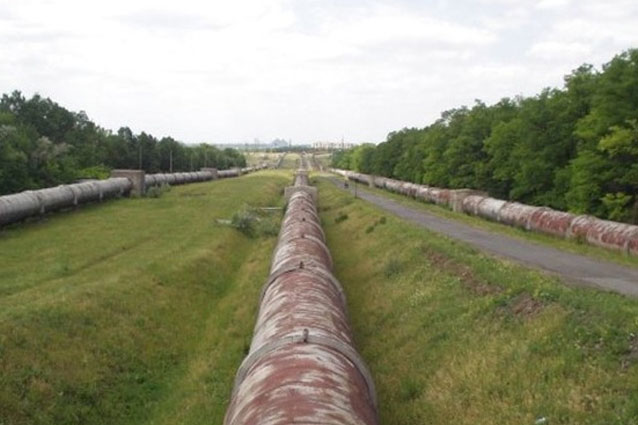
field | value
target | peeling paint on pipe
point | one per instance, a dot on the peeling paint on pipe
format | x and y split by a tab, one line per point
302	366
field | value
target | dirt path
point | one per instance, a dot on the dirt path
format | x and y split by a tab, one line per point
572	268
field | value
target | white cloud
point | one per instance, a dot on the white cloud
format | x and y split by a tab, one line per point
552	50
306	70
553	4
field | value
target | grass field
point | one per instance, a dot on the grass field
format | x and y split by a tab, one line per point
564	244
259	157
324	159
137	311
291	161
455	337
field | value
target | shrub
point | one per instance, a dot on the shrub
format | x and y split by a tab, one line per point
253	222
244	220
157	191
268	227
341	217
392	268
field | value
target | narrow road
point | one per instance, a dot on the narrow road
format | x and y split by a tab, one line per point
572	268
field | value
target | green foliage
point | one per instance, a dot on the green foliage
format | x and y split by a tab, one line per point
96	172
392	268
254	222
245	220
157	191
341	217
615	204
43	144
573	148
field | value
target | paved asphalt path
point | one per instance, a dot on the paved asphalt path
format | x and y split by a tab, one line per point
572	268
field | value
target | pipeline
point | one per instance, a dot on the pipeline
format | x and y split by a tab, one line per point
280	161
197	176
302	366
594	231
316	165
20	206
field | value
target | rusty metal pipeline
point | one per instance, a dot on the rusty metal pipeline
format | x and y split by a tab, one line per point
301	178
302	367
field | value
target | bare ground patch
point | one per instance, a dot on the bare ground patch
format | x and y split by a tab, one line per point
524	305
468	278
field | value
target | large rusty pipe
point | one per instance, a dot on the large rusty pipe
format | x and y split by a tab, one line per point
302	367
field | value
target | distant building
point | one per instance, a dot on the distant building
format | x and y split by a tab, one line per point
333	145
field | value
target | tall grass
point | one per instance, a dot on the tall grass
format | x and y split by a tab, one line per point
456	337
134	311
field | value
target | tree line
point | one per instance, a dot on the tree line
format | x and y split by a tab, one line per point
43	144
573	148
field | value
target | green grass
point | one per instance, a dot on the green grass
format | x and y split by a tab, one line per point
258	157
292	161
564	244
456	337
134	311
324	159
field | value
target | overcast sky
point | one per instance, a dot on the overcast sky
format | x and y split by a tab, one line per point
306	70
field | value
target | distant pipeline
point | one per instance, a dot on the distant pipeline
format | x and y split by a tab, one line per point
31	203
594	231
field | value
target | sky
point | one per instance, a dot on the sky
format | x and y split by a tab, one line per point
305	70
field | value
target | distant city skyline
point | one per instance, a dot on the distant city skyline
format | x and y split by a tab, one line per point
307	70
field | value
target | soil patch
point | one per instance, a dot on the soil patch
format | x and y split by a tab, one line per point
524	305
463	272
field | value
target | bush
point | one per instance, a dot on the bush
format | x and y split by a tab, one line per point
157	191
392	268
341	217
268	227
244	220
253	222
99	172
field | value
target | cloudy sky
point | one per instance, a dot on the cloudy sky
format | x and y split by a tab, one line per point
306	70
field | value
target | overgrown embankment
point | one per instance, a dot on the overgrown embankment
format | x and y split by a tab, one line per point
134	311
453	336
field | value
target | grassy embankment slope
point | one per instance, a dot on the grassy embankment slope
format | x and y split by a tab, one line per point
134	311
456	337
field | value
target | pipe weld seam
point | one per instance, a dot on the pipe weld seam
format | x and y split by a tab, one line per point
309	269
340	347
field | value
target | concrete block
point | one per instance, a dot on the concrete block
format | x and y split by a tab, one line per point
457	196
213	171
136	177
